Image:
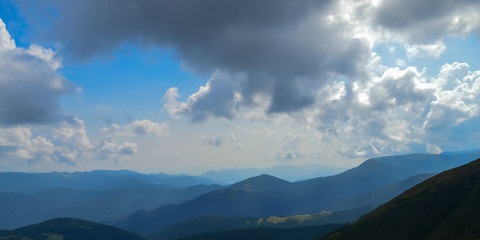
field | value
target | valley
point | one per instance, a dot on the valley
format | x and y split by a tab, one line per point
173	207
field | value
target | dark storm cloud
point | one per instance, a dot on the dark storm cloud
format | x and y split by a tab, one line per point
196	28
428	19
285	48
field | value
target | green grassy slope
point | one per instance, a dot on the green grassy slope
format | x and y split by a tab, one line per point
443	207
207	224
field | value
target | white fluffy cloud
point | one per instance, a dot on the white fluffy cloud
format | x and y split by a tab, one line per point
218	98
425	50
401	107
110	147
18	142
67	141
30	86
6	42
64	142
137	128
457	97
127	135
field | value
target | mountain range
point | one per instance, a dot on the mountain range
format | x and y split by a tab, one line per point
93	180
290	173
270	196
161	206
442	207
115	194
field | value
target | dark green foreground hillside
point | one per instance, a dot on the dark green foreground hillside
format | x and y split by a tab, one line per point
68	228
299	233
446	206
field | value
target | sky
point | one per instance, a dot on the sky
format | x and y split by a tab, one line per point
190	86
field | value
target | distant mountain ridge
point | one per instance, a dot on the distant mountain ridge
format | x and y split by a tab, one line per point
93	180
369	200
290	173
442	207
20	209
251	197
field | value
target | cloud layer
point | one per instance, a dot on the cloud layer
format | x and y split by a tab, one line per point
311	63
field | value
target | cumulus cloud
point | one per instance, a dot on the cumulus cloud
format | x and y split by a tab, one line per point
65	142
217	98
143	127
170	103
311	59
424	21
212	140
137	128
72	138
31	87
6	42
457	99
18	142
284	50
395	110
111	148
425	50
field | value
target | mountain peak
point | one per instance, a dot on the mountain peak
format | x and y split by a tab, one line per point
260	182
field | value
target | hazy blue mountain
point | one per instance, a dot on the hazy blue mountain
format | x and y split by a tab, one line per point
442	207
68	228
123	201
460	152
20	209
381	195
317	194
94	180
370	200
266	195
250	201
290	173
